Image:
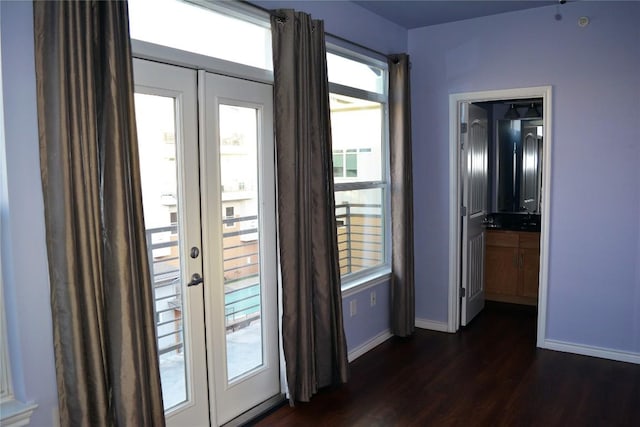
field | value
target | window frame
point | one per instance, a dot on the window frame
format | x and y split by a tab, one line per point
364	276
6	384
12	411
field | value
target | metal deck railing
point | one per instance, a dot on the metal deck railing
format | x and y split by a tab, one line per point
360	243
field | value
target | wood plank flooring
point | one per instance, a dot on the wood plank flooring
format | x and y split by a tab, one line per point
488	374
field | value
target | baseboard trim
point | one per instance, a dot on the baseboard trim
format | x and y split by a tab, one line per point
432	325
369	345
587	350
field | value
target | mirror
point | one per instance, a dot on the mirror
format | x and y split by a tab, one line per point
518	153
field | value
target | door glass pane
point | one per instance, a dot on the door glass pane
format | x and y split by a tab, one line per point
155	118
241	234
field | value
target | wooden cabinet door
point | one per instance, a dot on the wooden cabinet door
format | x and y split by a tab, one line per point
529	272
529	264
501	270
512	262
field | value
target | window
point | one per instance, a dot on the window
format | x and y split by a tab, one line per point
229	214
191	27
358	104
366	74
345	162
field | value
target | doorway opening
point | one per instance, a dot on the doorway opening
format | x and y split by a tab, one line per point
495	142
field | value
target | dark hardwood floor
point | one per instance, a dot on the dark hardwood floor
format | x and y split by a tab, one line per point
490	373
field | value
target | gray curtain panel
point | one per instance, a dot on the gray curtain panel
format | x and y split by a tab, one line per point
402	282
101	296
313	337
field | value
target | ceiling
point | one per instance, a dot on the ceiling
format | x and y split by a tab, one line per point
421	13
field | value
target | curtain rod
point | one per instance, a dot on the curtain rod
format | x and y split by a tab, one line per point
358	45
342	39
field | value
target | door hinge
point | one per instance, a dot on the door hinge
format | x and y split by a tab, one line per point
463	128
463	211
463	292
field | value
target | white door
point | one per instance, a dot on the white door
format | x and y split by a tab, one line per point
475	182
238	185
213	267
166	119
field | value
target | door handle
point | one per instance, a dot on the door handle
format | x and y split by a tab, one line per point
196	279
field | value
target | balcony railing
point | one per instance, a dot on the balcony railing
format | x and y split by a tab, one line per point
360	236
242	290
360	244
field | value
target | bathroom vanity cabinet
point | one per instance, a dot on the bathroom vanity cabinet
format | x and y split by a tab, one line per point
512	263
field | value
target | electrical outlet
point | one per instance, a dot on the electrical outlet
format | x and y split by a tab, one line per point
353	307
373	298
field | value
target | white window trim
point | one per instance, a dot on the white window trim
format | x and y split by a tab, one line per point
13	413
372	279
240	10
360	280
358	93
182	58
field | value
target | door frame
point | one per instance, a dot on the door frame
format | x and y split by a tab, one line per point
455	192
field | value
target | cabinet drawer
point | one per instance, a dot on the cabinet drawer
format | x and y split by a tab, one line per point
508	239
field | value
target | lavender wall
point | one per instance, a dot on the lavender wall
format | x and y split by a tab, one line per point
594	269
24	257
370	322
350	21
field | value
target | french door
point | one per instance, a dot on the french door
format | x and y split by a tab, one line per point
475	182
207	166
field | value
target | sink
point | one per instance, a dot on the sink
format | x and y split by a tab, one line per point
513	221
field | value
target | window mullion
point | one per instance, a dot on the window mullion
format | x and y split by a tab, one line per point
357	93
360	185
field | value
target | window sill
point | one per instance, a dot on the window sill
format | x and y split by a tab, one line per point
365	282
16	414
